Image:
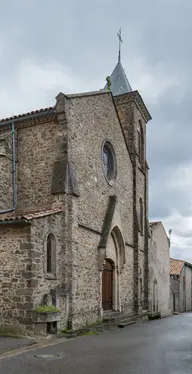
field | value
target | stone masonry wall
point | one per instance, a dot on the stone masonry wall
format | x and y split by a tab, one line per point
130	116
39	146
23	281
127	283
92	120
15	290
40	229
140	193
6	170
159	269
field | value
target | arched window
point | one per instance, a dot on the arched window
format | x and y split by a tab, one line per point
141	214
140	142
51	255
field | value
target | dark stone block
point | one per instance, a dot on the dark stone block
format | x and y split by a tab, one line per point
34	283
34	254
27	275
28	299
25	306
17	299
59	176
26	321
26	246
73	185
24	291
14	280
6	285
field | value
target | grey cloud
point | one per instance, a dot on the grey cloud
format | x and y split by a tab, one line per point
82	35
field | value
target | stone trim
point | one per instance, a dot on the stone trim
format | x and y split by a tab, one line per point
16	222
32	122
91	93
89	228
107	221
135	97
122	129
129	245
141	170
106	229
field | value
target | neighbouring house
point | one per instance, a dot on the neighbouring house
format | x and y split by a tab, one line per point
74	209
159	281
180	285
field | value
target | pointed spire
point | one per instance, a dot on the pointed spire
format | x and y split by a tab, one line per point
120	41
118	82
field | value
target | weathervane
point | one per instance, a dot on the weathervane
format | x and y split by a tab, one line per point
120	41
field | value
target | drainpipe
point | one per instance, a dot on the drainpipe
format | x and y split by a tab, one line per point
12	124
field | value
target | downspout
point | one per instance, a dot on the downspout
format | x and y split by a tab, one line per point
14	182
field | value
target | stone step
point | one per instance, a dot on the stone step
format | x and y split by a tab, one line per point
111	316
156	315
126	323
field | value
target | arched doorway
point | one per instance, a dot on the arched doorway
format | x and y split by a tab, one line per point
110	276
107	286
155	296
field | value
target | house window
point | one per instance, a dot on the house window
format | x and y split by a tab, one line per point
141	214
109	161
51	255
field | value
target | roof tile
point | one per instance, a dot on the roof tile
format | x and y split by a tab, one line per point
27	114
29	215
176	266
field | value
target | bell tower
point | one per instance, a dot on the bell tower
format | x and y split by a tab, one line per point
134	117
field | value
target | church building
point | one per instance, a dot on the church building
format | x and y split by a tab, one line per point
74	209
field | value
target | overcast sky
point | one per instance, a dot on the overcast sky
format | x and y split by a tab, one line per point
71	46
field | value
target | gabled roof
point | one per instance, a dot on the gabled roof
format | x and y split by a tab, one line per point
176	266
119	82
155	224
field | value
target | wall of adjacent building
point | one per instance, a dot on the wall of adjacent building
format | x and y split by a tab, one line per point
174	294
159	270
188	277
186	289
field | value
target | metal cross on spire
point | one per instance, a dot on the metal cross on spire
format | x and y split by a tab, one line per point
120	41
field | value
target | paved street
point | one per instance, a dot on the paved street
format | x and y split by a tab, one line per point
157	347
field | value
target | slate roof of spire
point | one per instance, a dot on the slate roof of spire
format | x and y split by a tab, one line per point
119	82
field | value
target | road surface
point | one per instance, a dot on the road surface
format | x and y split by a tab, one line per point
156	347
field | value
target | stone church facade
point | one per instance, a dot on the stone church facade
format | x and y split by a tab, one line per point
74	209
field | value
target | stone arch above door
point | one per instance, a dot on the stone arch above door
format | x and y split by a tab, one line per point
112	229
120	247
